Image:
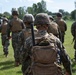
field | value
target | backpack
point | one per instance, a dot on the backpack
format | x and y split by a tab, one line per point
53	28
44	57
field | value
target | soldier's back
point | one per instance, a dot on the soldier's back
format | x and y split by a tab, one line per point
16	25
61	24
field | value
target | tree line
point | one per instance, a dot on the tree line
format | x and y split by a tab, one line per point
39	8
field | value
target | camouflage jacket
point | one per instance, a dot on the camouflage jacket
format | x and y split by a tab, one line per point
11	23
63	55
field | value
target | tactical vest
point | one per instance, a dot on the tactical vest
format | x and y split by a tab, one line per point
61	24
44	56
53	28
27	32
4	28
16	25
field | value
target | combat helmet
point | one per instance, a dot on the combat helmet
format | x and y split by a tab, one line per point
59	14
5	19
15	12
42	19
50	17
28	18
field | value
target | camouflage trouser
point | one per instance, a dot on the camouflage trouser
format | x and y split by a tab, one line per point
25	66
75	49
5	43
26	62
15	46
62	37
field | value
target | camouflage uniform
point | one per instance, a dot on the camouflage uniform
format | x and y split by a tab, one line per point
25	33
40	21
62	26
5	40
73	32
15	26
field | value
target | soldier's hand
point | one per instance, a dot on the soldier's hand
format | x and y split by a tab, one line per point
66	73
10	37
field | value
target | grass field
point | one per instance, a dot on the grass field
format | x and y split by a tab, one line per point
7	64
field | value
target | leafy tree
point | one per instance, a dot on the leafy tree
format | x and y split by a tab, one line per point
43	3
1	15
7	14
37	8
73	14
21	12
34	9
30	10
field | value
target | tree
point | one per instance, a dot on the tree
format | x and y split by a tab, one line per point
73	14
34	9
43	3
30	10
7	14
37	8
41	6
21	11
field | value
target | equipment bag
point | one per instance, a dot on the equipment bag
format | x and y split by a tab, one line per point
44	57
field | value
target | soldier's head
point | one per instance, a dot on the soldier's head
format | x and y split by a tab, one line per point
5	20
15	13
42	21
28	19
59	14
51	18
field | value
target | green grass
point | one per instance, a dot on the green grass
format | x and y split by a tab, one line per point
7	64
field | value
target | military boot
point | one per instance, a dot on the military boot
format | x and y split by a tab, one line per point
5	50
17	64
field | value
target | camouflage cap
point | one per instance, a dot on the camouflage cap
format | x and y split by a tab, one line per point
42	19
59	14
28	18
15	12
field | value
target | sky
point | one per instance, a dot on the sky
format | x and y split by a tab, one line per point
52	5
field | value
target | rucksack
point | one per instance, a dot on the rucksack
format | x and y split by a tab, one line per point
44	56
53	28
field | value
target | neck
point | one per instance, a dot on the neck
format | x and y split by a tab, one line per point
42	32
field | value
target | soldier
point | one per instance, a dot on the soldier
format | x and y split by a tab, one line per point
5	40
62	25
53	27
44	61
73	32
15	26
25	33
